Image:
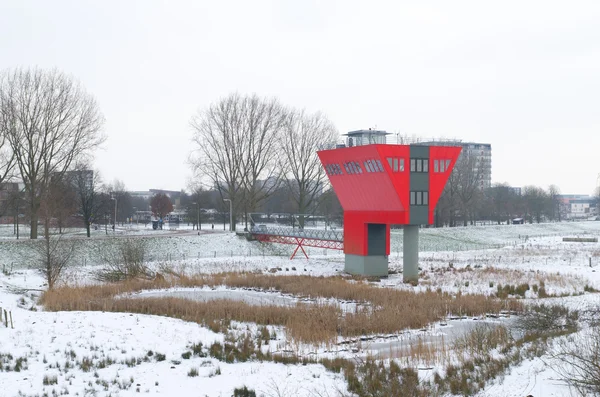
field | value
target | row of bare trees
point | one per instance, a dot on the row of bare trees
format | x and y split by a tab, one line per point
48	123
247	147
499	203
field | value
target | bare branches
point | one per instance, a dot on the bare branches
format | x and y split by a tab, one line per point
50	122
53	255
235	142
576	359
124	260
86	184
264	122
7	157
303	136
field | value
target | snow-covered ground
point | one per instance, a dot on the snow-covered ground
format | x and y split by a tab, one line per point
123	350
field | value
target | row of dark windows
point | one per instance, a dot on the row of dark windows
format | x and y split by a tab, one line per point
353	167
441	165
419	165
373	166
396	165
333	169
419	198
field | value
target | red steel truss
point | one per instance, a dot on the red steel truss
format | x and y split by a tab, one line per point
300	242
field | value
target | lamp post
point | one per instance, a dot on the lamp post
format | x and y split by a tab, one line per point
230	215
198	227
115	220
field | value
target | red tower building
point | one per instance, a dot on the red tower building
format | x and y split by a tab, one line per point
380	185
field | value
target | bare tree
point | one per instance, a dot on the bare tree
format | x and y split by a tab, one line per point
264	121
535	199
7	156
54	253
448	204
235	147
502	202
60	204
329	206
469	175
200	198
554	203
86	184
50	122
303	136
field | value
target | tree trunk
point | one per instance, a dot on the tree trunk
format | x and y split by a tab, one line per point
48	266
34	225
87	228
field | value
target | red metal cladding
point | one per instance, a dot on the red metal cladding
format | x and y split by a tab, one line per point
372	183
362	190
355	230
437	180
400	178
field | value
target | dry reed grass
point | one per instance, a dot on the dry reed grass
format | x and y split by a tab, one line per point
388	311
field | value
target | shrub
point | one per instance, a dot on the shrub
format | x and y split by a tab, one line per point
243	392
373	379
50	380
197	349
577	361
547	320
124	260
216	351
193	372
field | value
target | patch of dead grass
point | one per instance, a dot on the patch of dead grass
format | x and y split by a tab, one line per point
386	311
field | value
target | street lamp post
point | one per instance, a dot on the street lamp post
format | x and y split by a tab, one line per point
115	220
230	215
198	227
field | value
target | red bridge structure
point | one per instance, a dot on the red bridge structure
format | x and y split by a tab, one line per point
380	185
329	239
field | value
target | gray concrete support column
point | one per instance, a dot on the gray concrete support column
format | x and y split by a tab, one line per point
410	273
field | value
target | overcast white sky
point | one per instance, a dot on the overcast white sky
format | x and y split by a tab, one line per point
521	75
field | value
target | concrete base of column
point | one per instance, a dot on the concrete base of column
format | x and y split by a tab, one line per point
370	265
410	273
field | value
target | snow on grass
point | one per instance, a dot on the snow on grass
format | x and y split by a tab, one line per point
57	346
102	353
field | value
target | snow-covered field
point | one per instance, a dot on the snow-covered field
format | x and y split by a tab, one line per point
121	354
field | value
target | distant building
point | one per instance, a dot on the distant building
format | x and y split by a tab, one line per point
481	154
87	176
575	206
143	194
515	190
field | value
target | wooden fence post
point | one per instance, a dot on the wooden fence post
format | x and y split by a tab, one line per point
11	323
